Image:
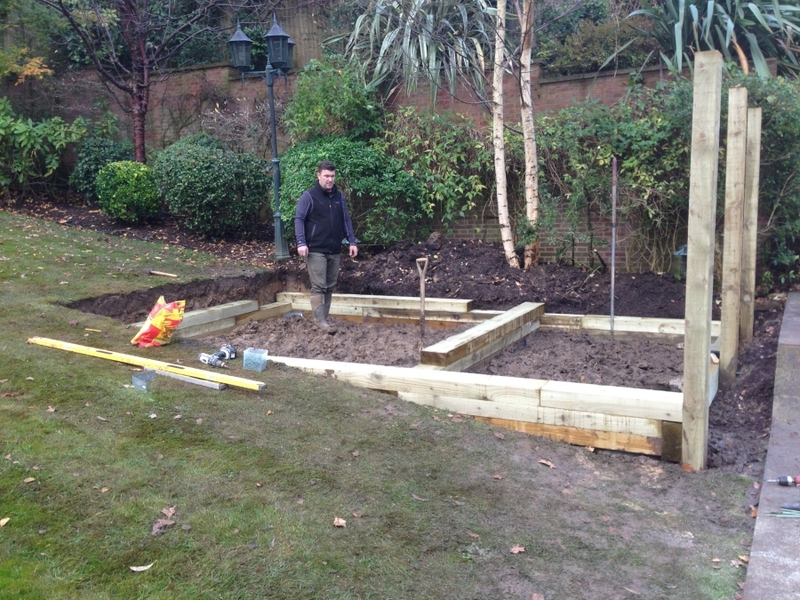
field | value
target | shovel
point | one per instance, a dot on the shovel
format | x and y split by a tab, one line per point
422	267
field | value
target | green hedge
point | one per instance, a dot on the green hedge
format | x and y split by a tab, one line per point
213	191
127	191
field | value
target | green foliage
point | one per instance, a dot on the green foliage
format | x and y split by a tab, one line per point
561	20
448	155
30	152
742	31
126	190
94	154
576	148
779	185
214	191
397	42
383	200
587	50
331	99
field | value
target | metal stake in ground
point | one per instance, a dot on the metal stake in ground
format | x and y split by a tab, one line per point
422	267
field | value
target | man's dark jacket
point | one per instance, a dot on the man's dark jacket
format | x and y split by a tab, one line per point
321	221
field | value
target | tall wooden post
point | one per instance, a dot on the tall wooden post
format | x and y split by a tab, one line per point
736	151
750	224
700	258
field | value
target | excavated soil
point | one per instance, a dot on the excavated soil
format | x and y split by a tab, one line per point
739	417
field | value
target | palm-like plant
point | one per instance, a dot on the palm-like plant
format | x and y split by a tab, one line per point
437	40
749	31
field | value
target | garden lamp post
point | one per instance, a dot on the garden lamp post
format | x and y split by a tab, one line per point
280	50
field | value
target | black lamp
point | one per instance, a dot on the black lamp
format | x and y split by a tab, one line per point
280	48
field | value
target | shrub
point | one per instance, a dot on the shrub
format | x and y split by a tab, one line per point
448	155
331	99
384	201
126	190
93	155
213	191
30	152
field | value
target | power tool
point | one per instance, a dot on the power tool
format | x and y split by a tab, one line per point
226	352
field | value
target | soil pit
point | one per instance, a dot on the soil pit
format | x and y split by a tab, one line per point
630	361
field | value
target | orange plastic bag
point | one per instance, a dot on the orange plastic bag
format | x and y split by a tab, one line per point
163	319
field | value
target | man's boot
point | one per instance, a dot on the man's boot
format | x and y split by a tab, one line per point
327	304
318	310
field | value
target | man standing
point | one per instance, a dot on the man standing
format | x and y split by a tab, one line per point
321	222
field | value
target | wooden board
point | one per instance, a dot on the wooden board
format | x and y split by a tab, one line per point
538	414
584	437
468	342
612	400
213	314
633	325
490	349
203	329
493	388
266	311
300	299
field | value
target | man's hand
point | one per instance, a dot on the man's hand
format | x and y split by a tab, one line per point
353	251
302	250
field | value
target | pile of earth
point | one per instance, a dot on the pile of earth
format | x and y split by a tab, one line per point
739	417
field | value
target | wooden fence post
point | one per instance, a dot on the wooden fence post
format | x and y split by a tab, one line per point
750	224
700	258
736	150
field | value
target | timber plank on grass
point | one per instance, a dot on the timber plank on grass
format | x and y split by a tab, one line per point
613	400
467	342
608	440
495	388
539	414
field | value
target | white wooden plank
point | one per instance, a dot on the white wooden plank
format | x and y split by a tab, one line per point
494	388
407	302
205	328
492	348
539	414
630	402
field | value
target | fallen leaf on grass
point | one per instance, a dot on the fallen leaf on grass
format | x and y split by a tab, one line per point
29	378
153	415
7	395
537	596
744	559
547	463
357	514
7	457
259	484
4	520
456	420
199	421
160	525
356	453
29	480
269	412
176	417
102	419
50	409
715	560
144	568
169	511
103	490
499	435
415	497
3	380
496	476
517	549
473	535
753	512
339	522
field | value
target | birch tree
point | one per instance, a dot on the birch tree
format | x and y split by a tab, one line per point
498	127
525	14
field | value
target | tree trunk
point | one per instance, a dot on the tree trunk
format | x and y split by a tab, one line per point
529	133
497	136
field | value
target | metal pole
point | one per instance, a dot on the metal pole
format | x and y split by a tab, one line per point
281	246
613	235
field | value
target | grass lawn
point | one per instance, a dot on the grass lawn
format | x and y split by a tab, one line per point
251	482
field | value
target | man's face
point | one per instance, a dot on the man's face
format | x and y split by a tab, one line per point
326	179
